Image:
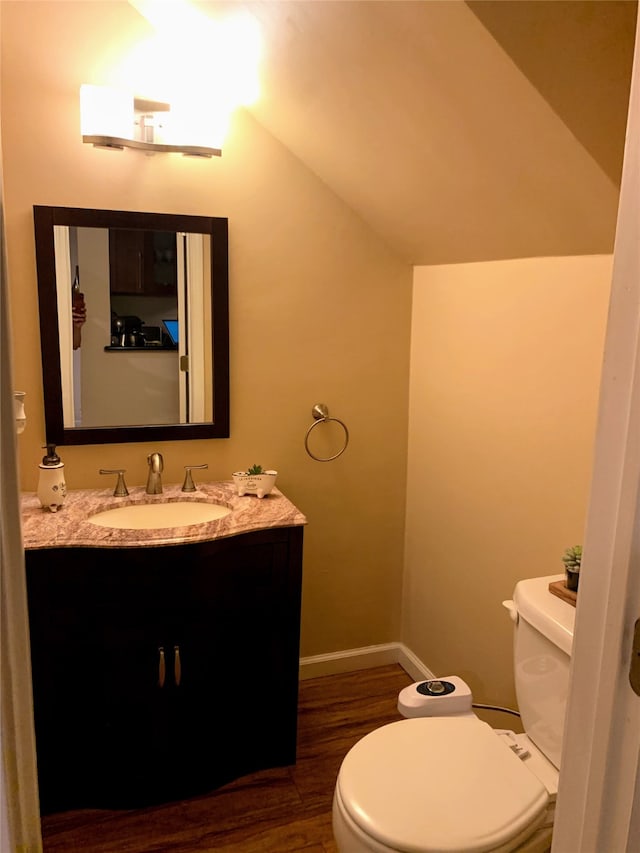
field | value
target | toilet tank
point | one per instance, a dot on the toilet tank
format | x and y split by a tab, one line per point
542	651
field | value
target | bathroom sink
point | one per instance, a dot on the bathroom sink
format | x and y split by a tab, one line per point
153	516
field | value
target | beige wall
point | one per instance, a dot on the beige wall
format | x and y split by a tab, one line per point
332	304
505	370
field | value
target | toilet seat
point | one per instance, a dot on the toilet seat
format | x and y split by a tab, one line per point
445	784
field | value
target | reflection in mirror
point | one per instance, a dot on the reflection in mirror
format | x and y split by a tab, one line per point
133	292
133	325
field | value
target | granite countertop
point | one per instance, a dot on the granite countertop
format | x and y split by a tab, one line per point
69	527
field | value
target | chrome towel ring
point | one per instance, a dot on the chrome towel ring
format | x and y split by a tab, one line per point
321	415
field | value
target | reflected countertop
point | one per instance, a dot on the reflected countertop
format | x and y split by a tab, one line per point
70	526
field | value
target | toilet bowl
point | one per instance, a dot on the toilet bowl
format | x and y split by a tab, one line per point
443	781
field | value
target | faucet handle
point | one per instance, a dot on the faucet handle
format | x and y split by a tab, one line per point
121	487
189	485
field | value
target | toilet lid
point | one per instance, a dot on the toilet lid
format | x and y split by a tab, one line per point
439	784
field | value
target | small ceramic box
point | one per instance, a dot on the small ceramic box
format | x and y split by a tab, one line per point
254	484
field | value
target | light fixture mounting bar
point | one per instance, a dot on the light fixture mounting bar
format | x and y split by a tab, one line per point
118	142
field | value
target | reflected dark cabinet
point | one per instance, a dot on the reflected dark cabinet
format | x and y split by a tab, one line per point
142	263
163	672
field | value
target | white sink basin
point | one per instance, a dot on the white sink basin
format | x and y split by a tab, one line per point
153	516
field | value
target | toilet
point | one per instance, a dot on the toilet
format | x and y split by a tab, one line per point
442	780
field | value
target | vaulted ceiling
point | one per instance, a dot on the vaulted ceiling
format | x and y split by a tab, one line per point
459	131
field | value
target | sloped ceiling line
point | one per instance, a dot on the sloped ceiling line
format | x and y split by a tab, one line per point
459	131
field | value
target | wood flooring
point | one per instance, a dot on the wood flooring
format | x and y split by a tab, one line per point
275	811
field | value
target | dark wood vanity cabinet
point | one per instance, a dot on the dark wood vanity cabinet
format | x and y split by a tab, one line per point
163	672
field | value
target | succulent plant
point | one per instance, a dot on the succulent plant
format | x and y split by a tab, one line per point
255	469
572	558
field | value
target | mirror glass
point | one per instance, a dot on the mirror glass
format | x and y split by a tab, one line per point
133	325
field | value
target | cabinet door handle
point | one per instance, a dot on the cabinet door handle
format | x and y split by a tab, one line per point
161	666
177	669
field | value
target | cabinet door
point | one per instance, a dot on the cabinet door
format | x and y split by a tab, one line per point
62	606
238	640
133	711
127	261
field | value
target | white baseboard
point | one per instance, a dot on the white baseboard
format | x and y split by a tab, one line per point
413	665
351	660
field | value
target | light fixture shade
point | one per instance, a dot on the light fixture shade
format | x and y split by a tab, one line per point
105	111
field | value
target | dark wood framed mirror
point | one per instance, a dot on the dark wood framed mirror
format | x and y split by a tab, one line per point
134	325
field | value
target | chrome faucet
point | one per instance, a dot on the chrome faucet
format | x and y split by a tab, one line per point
154	480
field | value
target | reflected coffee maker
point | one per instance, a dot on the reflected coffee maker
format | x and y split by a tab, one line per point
126	331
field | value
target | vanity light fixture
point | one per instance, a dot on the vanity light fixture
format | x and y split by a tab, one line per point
195	71
111	118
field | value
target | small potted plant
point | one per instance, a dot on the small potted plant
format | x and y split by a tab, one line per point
254	481
572	558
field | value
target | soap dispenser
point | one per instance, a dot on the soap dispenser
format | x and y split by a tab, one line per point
52	488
